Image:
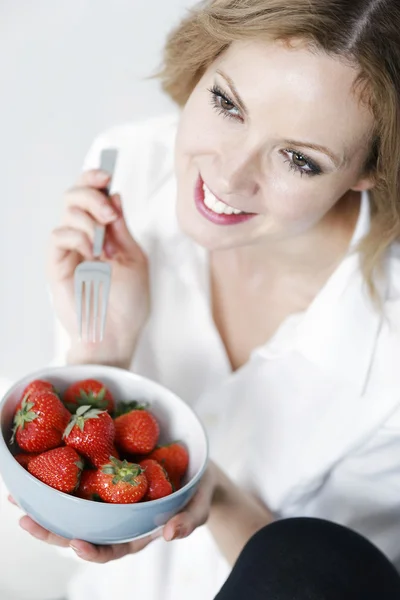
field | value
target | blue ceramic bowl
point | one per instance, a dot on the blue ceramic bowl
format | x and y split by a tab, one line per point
97	522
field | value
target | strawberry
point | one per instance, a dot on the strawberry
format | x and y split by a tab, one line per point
39	422
88	392
115	452
157	478
176	483
38	385
88	485
60	468
136	432
24	459
91	432
120	482
175	460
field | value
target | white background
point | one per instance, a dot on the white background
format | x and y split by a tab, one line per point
67	71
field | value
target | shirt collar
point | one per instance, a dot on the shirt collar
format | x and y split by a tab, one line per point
340	328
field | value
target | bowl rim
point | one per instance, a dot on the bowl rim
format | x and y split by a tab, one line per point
132	506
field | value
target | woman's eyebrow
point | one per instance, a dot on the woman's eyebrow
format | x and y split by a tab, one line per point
338	161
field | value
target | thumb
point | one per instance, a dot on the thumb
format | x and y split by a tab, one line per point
119	238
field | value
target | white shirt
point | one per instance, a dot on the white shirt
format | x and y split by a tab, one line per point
311	423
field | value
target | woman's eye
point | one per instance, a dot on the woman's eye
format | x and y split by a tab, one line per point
226	104
299	160
302	164
223	105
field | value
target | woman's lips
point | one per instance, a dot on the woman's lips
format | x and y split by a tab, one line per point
217	219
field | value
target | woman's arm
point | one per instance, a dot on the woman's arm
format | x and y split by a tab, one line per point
235	516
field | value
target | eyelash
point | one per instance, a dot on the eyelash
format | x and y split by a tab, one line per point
217	95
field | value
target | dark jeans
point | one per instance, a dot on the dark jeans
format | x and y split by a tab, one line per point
310	559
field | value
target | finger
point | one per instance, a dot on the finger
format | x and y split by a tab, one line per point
68	247
94	202
67	239
78	219
11	499
95	178
99	554
119	235
195	514
103	554
40	533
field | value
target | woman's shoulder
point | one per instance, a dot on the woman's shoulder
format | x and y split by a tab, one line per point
145	149
144	172
152	129
393	274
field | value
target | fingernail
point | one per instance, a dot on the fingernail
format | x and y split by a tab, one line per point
109	212
118	201
38	536
77	550
109	249
178	533
102	176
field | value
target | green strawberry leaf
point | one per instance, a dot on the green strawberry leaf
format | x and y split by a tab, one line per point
122	471
22	416
83	414
92	399
127	407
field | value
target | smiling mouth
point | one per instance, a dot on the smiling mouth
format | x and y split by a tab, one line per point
215	210
217	206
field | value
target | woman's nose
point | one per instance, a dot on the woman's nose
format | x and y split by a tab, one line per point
238	172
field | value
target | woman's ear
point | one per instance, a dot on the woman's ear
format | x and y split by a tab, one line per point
367	182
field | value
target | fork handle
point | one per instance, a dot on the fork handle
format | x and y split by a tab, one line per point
98	240
108	158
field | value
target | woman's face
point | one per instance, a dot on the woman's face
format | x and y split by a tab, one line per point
275	133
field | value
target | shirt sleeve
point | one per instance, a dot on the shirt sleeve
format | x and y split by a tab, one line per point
363	491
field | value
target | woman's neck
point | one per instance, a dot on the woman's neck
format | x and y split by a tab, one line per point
313	255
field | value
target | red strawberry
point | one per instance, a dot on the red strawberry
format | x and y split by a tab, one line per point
157	478
88	485
175	460
120	482
136	432
24	459
115	453
39	422
91	432
38	385
59	468
88	392
176	483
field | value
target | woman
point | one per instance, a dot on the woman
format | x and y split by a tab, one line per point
274	286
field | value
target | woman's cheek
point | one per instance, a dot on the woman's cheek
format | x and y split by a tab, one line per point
295	212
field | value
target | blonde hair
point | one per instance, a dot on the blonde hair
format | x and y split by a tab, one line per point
364	32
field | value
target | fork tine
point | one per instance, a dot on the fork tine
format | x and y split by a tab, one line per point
88	289
104	303
78	300
96	290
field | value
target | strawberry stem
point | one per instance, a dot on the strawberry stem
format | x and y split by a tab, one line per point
83	414
122	471
127	407
23	415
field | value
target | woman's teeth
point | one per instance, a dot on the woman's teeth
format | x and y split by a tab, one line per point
216	205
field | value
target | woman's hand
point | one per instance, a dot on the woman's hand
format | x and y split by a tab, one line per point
232	515
180	526
87	205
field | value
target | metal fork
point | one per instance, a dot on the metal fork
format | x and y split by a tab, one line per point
92	279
